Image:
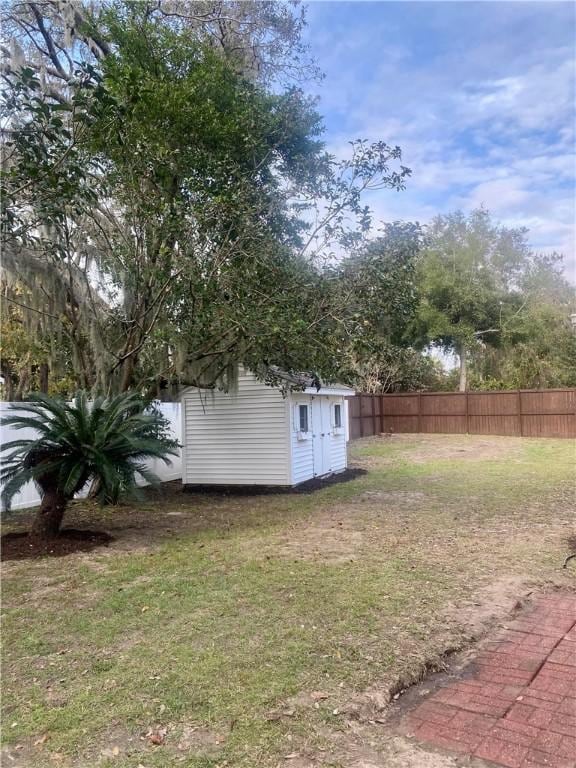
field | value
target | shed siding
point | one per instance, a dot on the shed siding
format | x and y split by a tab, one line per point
338	451
302	450
236	438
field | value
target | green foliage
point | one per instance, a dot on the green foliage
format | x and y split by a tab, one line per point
46	175
380	280
169	212
538	348
27	354
466	278
194	235
379	288
107	441
501	308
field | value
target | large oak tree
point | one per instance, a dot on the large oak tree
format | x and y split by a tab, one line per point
167	199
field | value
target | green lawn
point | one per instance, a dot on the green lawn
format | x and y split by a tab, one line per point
249	629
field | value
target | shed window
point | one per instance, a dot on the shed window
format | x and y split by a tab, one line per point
338	415
303	418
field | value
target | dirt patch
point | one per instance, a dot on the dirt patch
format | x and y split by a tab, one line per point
21	546
396	753
199	740
393	496
431	449
329	541
503	597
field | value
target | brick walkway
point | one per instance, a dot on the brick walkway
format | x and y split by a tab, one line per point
516	705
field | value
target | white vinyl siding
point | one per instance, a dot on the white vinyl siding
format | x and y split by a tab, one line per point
302	450
237	438
253	436
338	449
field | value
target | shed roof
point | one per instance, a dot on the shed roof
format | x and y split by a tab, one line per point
309	383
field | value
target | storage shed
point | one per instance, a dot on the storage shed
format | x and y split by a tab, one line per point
259	435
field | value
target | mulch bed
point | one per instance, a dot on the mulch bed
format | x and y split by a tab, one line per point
20	546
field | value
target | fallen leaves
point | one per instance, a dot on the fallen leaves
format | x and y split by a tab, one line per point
156	736
279	714
319	696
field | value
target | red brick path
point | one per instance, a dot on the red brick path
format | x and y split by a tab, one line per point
518	709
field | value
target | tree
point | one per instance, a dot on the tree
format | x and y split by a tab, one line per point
379	289
468	279
26	351
106	442
163	192
538	348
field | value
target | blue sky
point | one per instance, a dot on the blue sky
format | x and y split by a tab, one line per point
480	96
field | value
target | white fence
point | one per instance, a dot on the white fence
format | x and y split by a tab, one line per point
28	496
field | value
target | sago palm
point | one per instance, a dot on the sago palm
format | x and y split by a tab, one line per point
106	442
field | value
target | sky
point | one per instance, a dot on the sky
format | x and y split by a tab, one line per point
480	96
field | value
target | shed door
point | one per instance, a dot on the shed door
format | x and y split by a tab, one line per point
321	435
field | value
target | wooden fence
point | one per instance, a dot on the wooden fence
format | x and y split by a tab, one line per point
524	413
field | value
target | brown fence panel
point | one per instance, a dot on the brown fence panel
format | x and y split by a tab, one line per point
401	424
354	417
494	425
444	404
443	424
443	412
494	413
366	405
400	413
557	401
548	413
365	416
493	403
401	405
549	425
531	413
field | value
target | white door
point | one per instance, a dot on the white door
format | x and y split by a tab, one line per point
321	435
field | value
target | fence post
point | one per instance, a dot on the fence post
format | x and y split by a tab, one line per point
520	413
373	402
381	413
360	416
467	413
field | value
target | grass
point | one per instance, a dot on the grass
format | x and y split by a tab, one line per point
254	628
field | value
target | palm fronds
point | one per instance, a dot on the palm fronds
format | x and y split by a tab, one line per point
107	441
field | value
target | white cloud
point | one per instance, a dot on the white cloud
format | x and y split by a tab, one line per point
480	98
540	99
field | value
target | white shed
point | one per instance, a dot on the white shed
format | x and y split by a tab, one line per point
261	436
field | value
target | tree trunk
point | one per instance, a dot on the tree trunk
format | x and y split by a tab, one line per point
23	381
49	517
8	375
463	386
43	373
127	373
